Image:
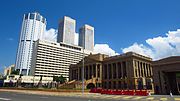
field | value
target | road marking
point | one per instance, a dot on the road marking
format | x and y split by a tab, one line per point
136	98
163	99
127	97
5	99
177	99
150	98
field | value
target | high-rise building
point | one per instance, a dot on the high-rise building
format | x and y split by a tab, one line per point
86	37
53	59
66	31
33	27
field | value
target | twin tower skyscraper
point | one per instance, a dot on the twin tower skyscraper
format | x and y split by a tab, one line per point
33	29
66	33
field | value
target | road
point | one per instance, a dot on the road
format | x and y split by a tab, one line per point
14	96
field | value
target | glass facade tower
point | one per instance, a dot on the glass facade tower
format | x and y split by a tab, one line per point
66	31
86	37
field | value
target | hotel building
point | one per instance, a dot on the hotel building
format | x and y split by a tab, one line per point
33	28
53	59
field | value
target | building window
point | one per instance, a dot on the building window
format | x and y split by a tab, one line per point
32	16
98	70
119	70
114	70
114	84
110	71
109	86
26	16
38	17
124	69
90	67
94	70
105	85
119	85
105	71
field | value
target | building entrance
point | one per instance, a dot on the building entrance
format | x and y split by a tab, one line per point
172	82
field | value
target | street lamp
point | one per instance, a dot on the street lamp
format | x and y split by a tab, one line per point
83	70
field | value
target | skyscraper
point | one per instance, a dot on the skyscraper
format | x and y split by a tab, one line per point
33	27
86	37
66	30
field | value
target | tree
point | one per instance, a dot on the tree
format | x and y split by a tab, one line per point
15	72
60	79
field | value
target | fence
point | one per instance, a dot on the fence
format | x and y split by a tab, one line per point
120	92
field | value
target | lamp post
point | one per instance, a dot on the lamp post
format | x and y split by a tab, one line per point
83	72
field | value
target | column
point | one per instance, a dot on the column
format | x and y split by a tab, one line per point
100	70
151	70
144	73
147	68
78	73
84	72
96	71
137	67
122	70
117	68
112	71
139	64
88	72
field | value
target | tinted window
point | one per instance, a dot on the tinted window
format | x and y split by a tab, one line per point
38	17
32	16
43	20
26	16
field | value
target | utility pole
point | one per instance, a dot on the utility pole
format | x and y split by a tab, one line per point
83	73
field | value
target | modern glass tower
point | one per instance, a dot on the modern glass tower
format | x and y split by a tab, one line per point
33	27
66	30
86	37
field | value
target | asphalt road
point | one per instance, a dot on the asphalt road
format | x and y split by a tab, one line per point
11	96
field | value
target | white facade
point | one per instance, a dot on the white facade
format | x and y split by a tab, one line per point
28	79
86	37
66	30
53	59
33	27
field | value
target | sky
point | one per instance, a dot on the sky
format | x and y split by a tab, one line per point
148	27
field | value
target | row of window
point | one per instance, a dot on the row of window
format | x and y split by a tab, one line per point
36	17
89	71
124	85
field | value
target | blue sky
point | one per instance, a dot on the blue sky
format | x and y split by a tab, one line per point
118	23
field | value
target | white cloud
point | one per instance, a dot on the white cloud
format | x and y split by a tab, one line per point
159	47
50	35
10	39
138	48
104	49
